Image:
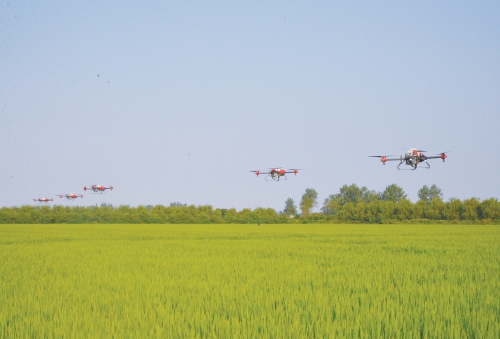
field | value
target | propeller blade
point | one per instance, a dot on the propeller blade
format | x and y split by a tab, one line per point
380	156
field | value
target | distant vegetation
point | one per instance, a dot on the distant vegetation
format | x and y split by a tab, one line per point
352	204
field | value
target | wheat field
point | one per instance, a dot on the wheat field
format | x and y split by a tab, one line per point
246	281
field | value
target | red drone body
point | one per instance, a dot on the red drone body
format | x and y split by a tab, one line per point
43	200
276	173
98	188
70	196
412	158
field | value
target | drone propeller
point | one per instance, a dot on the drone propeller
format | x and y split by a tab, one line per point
380	156
418	150
256	172
443	155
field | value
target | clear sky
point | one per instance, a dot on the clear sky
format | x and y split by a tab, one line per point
178	100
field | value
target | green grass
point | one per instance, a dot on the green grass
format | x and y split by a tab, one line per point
245	281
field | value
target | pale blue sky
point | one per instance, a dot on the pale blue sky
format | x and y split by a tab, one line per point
178	101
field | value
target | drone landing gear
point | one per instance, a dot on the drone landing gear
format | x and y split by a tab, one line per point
276	178
414	167
428	166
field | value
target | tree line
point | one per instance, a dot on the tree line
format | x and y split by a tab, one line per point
352	204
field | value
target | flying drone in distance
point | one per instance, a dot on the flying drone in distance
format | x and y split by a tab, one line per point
98	188
412	158
43	200
70	196
276	173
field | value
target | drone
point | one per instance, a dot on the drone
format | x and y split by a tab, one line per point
43	200
413	157
71	196
276	173
98	188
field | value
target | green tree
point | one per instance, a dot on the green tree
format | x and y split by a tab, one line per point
348	194
490	209
203	218
393	193
435	209
419	209
347	213
309	201
143	213
158	215
246	216
290	208
266	215
331	205
403	209
355	194
230	215
216	216
471	209
453	209
386	211
427	194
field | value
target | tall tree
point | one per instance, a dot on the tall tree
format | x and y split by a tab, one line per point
453	209
393	193
355	194
471	209
427	194
435	209
490	209
423	193
290	208
309	201
435	192
348	194
331	205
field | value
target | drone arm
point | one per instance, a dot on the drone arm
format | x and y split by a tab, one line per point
442	156
436	157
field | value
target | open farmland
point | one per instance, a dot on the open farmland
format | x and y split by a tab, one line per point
245	281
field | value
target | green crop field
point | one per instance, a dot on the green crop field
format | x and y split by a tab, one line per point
246	281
